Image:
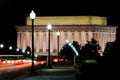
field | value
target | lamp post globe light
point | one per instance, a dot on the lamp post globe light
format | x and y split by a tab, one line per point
32	16
58	34
49	26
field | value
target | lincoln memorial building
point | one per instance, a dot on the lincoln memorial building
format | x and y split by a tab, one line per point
72	28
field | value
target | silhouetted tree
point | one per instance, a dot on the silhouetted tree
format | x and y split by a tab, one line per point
91	49
117	43
111	57
109	47
68	52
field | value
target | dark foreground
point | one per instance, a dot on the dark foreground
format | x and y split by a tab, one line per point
66	72
57	72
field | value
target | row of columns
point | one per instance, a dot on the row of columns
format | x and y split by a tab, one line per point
41	39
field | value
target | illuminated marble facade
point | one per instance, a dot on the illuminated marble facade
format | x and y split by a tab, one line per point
79	32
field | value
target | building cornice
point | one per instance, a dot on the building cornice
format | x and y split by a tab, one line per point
93	28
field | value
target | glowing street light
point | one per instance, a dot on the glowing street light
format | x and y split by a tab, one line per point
32	16
49	26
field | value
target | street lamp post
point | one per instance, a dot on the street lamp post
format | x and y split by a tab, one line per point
58	34
32	16
49	26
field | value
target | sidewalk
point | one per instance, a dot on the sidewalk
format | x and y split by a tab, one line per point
57	72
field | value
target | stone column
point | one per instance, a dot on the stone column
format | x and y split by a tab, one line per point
28	38
90	35
76	36
83	38
40	41
36	41
45	42
69	34
51	41
54	42
18	39
61	39
23	40
80	38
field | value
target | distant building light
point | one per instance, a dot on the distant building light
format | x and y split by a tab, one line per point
28	52
10	48
17	49
1	45
67	41
23	51
36	55
69	44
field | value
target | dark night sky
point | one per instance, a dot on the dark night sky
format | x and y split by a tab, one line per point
14	12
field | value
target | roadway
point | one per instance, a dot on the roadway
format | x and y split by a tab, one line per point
21	72
13	71
61	71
